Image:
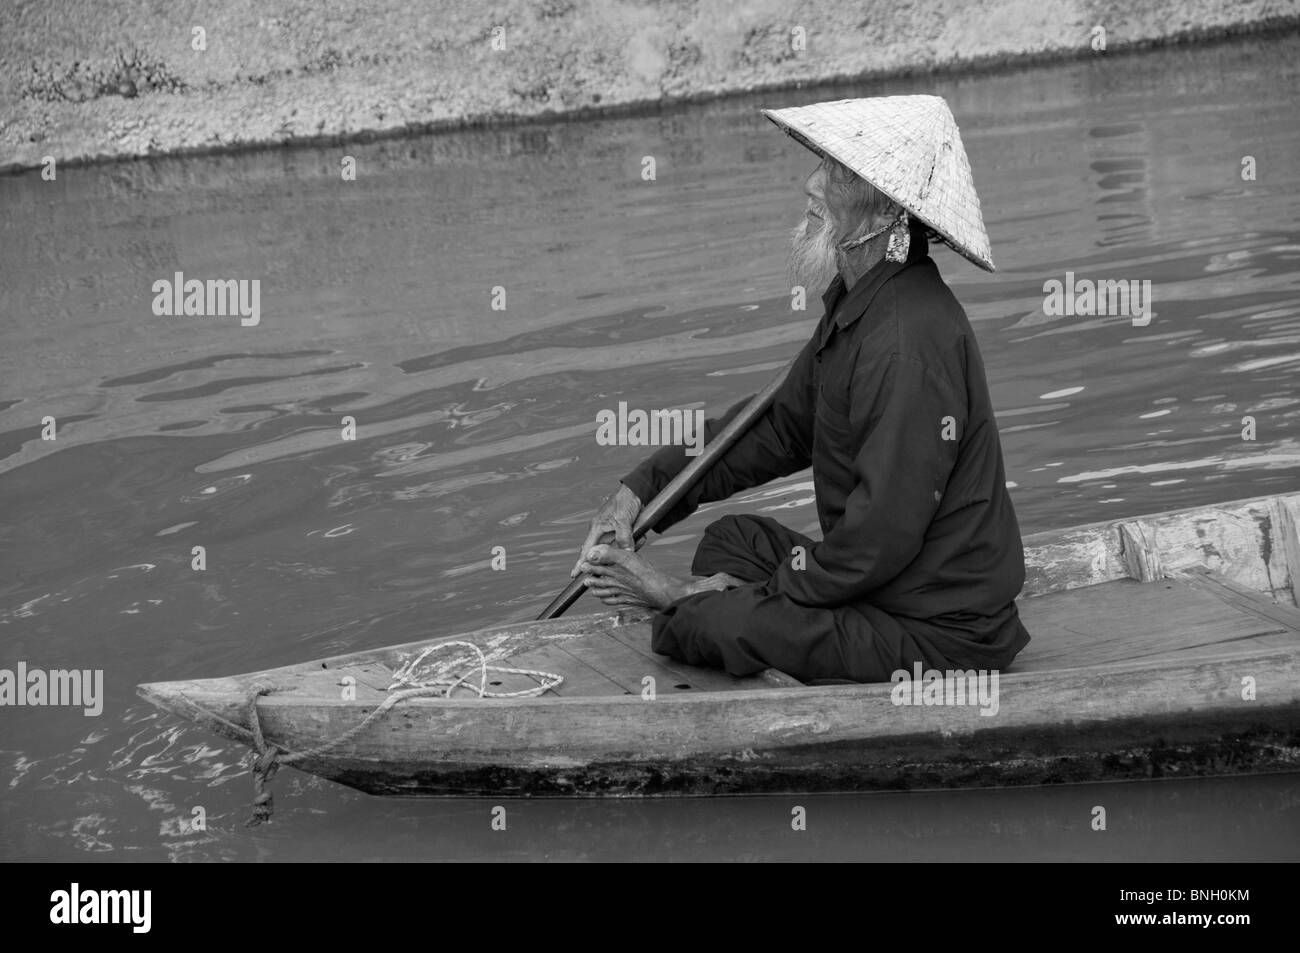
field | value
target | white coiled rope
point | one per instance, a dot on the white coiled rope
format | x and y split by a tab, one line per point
410	676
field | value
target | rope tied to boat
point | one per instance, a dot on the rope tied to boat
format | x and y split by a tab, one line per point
416	678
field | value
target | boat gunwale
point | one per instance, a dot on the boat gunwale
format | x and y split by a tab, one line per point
739	696
1109	524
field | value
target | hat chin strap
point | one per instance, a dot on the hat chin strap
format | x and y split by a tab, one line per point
899	218
900	242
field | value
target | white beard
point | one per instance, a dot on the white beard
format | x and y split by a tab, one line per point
814	259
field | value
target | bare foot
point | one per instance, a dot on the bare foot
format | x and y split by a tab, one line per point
715	583
619	577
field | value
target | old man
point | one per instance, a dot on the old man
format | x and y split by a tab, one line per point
920	558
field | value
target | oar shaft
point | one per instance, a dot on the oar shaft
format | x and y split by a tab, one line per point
680	485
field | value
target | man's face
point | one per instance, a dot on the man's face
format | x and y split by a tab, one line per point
840	206
834	196
830	190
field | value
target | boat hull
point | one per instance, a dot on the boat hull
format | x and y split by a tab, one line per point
1187	674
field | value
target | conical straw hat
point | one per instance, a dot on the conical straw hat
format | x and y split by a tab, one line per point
907	147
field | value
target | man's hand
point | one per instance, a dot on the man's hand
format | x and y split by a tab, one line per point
613	521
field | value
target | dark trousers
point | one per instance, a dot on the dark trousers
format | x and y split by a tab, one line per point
748	629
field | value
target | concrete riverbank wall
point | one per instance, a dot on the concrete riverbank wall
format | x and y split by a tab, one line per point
82	80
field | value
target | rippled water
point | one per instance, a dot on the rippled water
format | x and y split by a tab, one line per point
476	426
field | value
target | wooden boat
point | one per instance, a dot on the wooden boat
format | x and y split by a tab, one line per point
1163	646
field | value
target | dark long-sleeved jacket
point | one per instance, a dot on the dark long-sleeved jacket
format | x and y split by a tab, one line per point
889	405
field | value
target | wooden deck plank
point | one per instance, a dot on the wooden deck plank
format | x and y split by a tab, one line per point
1249	601
624	665
580	678
1125	620
373	674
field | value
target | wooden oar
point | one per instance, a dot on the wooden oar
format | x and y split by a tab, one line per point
681	484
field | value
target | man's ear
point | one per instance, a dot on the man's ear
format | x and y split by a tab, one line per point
882	218
888	215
